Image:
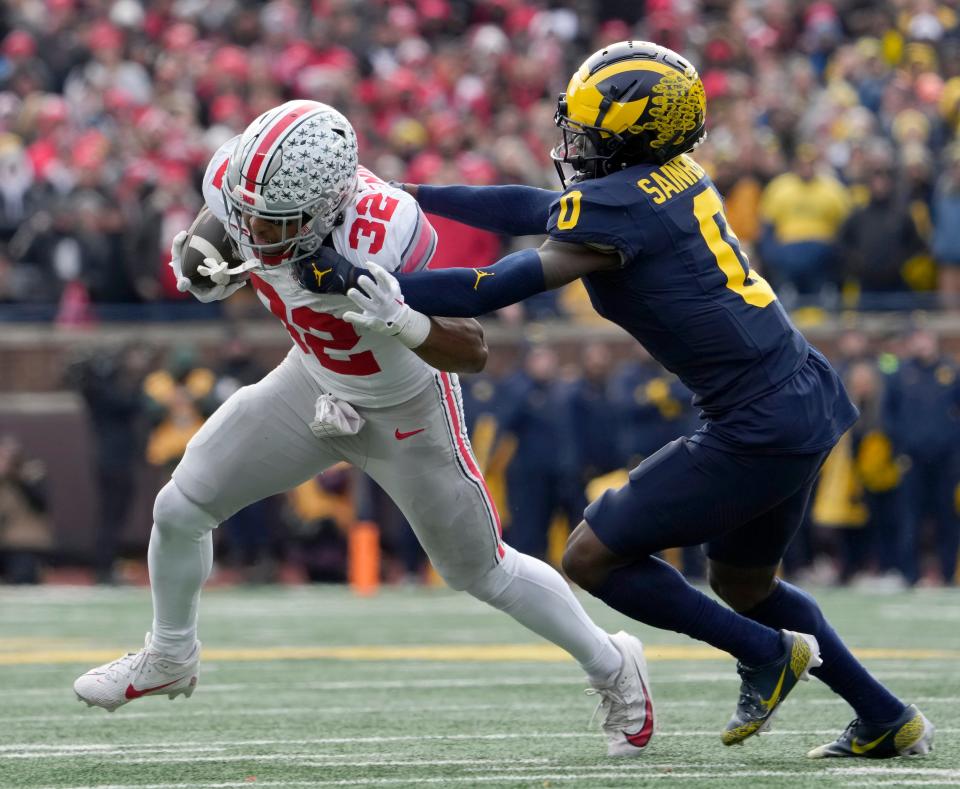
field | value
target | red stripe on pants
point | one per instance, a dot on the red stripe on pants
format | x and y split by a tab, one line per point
467	455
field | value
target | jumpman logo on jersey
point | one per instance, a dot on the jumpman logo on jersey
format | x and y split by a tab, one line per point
319	274
480	275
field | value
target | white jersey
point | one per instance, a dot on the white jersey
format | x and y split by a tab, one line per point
382	224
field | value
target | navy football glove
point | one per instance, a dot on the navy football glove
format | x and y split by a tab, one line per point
327	271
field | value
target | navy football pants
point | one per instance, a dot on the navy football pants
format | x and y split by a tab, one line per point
745	507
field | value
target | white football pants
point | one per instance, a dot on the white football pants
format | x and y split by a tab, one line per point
259	443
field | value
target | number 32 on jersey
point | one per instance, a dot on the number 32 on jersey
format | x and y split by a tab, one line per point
320	333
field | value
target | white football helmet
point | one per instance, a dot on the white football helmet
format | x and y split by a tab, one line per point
295	165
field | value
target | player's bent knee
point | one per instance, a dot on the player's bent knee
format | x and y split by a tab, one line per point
741	588
576	567
586	561
491	584
173	512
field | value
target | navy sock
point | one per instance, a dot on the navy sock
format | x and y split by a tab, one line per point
792	608
653	592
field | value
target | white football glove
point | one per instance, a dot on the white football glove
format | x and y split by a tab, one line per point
219	272
383	309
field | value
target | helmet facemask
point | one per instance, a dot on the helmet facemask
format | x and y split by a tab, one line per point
301	234
589	150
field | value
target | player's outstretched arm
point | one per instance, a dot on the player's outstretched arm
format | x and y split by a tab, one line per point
452	344
455	345
463	292
455	292
509	210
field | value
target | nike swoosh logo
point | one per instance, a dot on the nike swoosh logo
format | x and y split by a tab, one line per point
133	693
859	749
400	436
775	696
641	738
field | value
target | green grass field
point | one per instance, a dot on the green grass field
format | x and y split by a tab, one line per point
309	687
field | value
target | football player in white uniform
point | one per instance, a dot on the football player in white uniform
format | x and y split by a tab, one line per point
383	398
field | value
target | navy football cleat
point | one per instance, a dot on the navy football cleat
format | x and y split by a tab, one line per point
764	688
908	735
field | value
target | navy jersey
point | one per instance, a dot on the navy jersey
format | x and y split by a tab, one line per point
931	389
687	293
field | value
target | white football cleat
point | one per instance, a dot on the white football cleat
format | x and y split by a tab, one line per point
137	674
626	703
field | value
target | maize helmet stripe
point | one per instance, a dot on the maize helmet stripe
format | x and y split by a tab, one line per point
624	65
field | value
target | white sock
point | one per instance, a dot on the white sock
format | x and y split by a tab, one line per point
538	597
179	565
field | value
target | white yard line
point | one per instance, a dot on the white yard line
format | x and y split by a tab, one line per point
595	773
908	782
882	772
942	772
97	748
95	718
308	760
87	717
41	751
401	684
389	684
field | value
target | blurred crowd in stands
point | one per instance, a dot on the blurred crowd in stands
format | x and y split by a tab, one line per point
550	434
832	127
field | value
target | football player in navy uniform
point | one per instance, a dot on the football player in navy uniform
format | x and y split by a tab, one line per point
644	228
926	383
534	416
